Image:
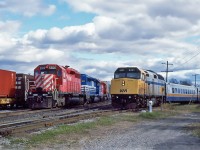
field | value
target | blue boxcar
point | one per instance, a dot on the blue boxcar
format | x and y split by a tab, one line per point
91	88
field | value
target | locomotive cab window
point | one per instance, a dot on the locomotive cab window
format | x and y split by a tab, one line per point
59	73
36	72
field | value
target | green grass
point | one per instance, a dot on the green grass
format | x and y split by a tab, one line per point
183	107
151	115
79	128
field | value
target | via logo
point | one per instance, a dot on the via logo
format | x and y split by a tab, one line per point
123	90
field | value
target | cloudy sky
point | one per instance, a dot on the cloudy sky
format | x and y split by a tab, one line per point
96	37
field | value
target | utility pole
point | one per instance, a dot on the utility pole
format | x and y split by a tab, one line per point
195	77
167	70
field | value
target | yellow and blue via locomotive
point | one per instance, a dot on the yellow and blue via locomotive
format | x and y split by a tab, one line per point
133	87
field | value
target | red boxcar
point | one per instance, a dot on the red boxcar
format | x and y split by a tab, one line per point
55	86
7	87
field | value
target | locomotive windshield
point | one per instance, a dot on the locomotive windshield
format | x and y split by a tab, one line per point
46	71
52	71
127	73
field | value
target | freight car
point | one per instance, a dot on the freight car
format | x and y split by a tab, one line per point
7	87
55	86
177	93
24	82
132	87
14	88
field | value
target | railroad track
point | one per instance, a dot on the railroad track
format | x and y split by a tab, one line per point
30	124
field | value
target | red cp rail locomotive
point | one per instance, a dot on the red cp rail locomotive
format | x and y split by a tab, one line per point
55	86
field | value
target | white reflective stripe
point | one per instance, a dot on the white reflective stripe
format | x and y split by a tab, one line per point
45	81
38	79
48	83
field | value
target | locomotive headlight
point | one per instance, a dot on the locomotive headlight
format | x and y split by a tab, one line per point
117	97
129	97
123	83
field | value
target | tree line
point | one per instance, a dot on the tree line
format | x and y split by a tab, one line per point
183	82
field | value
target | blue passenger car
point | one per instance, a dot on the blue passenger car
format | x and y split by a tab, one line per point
181	93
90	87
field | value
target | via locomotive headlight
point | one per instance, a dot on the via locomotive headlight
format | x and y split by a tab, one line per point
123	83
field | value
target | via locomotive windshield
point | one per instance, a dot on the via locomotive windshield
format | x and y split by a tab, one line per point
133	73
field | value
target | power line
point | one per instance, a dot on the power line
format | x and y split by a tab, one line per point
188	60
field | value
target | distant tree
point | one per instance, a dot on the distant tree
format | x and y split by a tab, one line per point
186	82
173	80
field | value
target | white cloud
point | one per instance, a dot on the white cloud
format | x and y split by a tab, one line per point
27	8
9	26
132	33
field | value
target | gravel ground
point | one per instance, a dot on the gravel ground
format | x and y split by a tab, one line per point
166	134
